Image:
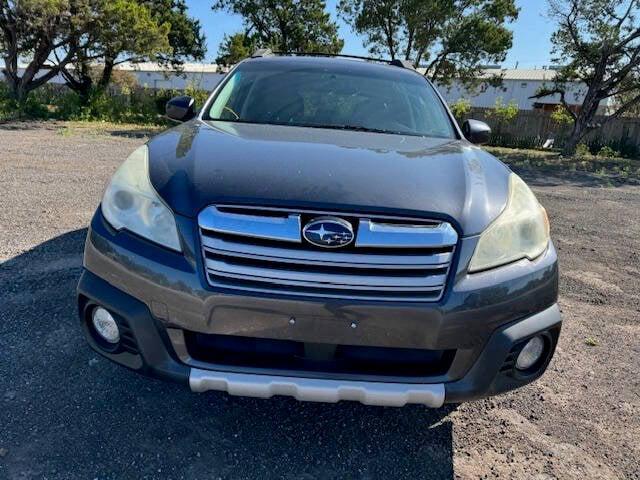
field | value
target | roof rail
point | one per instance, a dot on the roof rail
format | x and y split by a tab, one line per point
324	54
266	52
262	52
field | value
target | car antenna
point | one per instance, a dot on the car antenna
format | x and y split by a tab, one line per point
396	62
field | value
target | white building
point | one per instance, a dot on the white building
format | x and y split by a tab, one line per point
151	75
204	76
518	85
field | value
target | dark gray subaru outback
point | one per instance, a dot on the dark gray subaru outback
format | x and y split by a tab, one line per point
322	229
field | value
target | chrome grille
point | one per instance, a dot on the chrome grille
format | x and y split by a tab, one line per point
262	250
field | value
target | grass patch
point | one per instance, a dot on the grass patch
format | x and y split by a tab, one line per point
609	171
133	130
591	342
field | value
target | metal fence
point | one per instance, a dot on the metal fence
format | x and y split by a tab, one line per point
533	128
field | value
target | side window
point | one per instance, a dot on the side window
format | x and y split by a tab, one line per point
218	108
229	102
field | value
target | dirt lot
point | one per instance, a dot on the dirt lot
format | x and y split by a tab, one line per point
67	413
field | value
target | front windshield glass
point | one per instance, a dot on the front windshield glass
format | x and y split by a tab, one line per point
350	99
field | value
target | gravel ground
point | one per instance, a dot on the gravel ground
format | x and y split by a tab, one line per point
67	413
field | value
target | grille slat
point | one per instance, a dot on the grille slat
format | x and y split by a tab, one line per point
219	246
285	229
383	235
337	280
399	261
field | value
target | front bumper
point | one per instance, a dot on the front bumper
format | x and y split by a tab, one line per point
161	294
154	355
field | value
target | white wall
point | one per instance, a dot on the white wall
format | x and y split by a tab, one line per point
205	81
158	79
518	91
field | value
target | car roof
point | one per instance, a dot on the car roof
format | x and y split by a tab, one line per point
321	62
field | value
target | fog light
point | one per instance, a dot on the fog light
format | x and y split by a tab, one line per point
531	353
105	325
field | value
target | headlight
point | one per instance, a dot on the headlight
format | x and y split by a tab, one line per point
521	230
131	203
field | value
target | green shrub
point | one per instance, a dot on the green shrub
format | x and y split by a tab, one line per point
561	116
460	108
6	107
32	107
582	150
137	106
67	106
161	97
144	106
508	140
608	152
200	95
626	146
504	112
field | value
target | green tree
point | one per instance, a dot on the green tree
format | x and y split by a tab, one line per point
132	31
287	25
121	31
597	43
32	31
234	48
452	39
186	38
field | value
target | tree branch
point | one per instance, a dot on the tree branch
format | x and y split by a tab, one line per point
626	14
35	83
432	68
572	29
624	108
620	76
626	41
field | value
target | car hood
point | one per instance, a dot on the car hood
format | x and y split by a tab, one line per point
201	163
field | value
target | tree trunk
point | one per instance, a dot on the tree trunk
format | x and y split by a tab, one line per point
13	83
18	91
21	86
107	71
79	80
572	142
13	80
84	90
10	57
407	52
582	125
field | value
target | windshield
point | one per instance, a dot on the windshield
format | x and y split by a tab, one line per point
350	99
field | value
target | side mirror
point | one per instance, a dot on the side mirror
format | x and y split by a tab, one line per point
181	109
476	131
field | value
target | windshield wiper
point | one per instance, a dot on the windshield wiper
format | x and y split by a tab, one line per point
355	128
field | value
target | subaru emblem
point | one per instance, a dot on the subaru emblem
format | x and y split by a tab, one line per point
328	232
